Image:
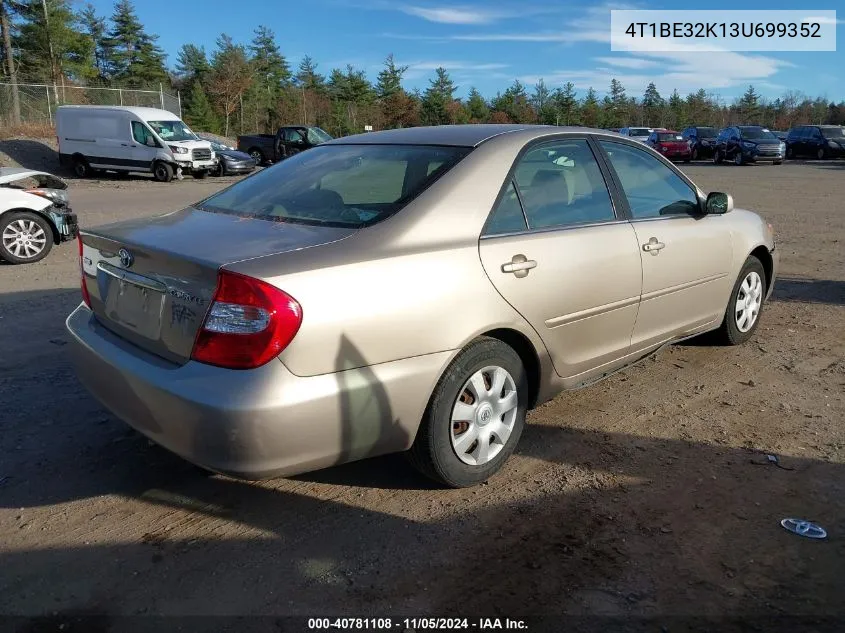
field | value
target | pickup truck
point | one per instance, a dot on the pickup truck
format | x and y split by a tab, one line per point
289	140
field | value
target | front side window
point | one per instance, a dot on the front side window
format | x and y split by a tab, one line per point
652	188
142	135
172	130
293	135
561	185
337	185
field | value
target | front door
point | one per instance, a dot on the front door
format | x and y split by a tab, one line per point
556	251
686	256
144	147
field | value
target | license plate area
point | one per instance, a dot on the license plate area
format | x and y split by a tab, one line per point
132	301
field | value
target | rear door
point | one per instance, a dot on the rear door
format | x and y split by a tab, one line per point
686	256
556	251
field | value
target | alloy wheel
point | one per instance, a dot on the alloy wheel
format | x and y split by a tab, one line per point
24	239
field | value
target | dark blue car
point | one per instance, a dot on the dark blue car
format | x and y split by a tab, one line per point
748	144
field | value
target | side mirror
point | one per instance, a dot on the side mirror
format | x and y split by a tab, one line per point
718	203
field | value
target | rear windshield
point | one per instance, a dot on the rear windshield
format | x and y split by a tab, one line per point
669	136
831	132
638	131
338	185
707	132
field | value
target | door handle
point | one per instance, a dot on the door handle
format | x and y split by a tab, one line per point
519	265
653	246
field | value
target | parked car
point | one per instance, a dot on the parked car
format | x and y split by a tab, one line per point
780	134
34	214
671	144
315	322
702	140
640	134
287	141
748	144
128	139
818	141
229	160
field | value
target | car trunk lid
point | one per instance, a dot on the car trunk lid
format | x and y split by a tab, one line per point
152	281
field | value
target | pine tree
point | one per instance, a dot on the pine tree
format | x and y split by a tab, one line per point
653	105
514	104
135	58
94	27
616	105
437	97
590	109
269	65
192	63
677	113
390	78
307	76
477	107
544	105
566	104
199	114
52	49
749	106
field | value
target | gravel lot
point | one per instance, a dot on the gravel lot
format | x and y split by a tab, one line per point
638	497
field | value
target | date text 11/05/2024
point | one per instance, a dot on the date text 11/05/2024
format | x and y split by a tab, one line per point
417	624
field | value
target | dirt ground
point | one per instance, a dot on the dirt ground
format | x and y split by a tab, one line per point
637	501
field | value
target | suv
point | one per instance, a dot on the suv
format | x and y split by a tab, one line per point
287	141
637	133
702	141
748	144
818	141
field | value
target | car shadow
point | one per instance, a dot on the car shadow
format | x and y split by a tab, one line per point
599	530
807	290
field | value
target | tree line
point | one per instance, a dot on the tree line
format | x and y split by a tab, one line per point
252	87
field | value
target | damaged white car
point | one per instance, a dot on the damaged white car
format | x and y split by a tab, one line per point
34	214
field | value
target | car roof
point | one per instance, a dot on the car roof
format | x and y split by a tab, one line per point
470	135
147	114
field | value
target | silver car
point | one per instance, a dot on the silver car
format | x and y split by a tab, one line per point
409	290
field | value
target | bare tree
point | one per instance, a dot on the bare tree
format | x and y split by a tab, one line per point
5	27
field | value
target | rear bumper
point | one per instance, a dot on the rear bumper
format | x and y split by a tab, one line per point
257	423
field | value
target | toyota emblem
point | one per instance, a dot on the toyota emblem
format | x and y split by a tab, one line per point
126	258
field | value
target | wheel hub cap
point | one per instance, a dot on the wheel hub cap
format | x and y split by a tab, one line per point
484	415
748	301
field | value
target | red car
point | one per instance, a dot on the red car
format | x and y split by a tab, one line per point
671	144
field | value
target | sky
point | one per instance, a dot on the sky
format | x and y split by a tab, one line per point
488	44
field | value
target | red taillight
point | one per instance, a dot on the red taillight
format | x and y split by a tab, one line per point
86	298
249	323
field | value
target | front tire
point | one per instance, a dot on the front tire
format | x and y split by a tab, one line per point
24	237
199	175
717	157
821	154
475	416
694	155
739	161
742	316
257	156
162	172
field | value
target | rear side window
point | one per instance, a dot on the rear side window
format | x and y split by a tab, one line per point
561	185
338	185
507	217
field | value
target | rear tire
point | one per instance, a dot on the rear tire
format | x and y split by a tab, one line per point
821	154
81	167
751	282
162	172
458	451
257	156
24	237
778	162
694	154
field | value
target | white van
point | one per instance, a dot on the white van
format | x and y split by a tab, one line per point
119	138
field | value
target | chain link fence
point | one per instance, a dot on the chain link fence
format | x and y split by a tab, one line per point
38	102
